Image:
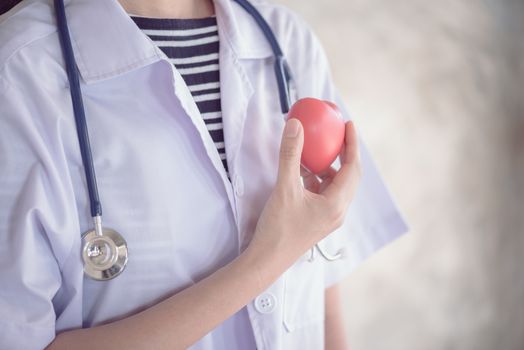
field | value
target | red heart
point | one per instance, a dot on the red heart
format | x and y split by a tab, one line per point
324	131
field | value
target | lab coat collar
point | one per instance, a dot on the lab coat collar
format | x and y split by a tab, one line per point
108	43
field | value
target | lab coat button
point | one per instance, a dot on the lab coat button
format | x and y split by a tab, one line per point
238	183
265	303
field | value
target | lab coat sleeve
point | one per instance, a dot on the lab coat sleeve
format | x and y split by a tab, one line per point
372	220
34	223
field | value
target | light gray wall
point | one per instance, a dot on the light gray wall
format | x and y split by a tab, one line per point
437	90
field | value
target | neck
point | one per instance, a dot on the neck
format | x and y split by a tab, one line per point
169	8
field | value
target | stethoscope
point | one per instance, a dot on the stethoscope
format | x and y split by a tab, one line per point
104	250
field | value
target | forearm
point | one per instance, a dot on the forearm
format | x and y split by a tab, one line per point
187	316
335	335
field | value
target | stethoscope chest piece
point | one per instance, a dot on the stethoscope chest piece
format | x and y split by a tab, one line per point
105	256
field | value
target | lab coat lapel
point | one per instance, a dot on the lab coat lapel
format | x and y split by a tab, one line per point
187	102
240	39
236	91
240	42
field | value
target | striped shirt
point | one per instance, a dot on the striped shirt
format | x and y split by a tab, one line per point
192	46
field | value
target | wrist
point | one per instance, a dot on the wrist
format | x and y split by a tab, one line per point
268	264
263	264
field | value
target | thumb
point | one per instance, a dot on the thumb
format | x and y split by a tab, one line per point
290	153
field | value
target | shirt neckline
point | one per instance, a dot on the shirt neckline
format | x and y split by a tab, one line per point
173	23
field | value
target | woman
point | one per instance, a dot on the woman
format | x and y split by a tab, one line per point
196	167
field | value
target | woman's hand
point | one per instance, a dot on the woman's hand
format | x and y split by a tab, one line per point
296	217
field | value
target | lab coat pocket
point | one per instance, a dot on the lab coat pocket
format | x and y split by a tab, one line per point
303	294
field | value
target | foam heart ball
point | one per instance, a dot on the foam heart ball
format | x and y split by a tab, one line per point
324	132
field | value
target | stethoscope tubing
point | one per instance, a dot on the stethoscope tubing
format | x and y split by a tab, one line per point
78	109
282	71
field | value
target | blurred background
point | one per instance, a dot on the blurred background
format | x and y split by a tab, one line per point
437	91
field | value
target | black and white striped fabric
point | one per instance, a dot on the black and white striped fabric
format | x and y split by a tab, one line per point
192	46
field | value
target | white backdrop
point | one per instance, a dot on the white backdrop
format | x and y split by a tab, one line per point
437	90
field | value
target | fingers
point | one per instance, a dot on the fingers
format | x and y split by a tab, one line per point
343	184
290	153
351	152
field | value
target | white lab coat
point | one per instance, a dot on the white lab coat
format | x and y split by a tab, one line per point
160	177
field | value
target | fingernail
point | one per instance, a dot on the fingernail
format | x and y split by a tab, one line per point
291	129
